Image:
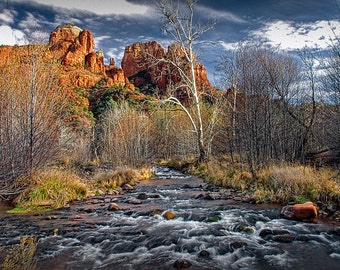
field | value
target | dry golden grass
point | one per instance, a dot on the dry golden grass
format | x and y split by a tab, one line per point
298	183
51	189
145	174
121	177
176	163
21	257
223	174
278	183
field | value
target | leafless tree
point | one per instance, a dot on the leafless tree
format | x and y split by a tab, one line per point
179	23
330	105
332	79
259	122
282	75
228	73
308	100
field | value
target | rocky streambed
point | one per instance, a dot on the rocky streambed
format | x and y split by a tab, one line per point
174	221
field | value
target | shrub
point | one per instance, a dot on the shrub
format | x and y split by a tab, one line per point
124	137
21	257
51	189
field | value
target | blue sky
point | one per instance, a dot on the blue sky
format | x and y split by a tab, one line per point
290	24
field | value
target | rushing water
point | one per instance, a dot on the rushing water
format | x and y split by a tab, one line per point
209	232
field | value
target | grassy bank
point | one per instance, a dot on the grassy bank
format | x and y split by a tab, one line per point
50	189
54	188
298	183
277	183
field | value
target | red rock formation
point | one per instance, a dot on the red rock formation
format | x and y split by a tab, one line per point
116	75
75	78
11	55
6	53
84	67
62	38
86	41
73	45
80	49
112	62
174	52
140	66
95	62
136	56
65	33
305	211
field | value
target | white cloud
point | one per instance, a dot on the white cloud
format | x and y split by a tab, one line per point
102	7
116	53
292	36
228	46
220	14
98	40
30	22
33	27
7	16
9	36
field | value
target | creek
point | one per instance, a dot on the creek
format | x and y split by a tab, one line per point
211	230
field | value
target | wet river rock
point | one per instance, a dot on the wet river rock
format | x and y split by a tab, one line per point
169	215
182	263
113	207
306	211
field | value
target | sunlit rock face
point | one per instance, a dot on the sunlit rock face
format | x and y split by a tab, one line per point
147	65
65	33
135	57
84	67
75	47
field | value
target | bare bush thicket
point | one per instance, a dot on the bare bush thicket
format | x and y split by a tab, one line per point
330	107
77	146
124	136
30	113
172	134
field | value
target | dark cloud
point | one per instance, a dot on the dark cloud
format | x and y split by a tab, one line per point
300	10
271	20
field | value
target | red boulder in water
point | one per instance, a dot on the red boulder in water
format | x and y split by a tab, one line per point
305	211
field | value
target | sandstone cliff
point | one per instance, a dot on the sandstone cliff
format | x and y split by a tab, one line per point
84	67
143	65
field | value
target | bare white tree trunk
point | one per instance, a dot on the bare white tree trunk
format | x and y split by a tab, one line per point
179	24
